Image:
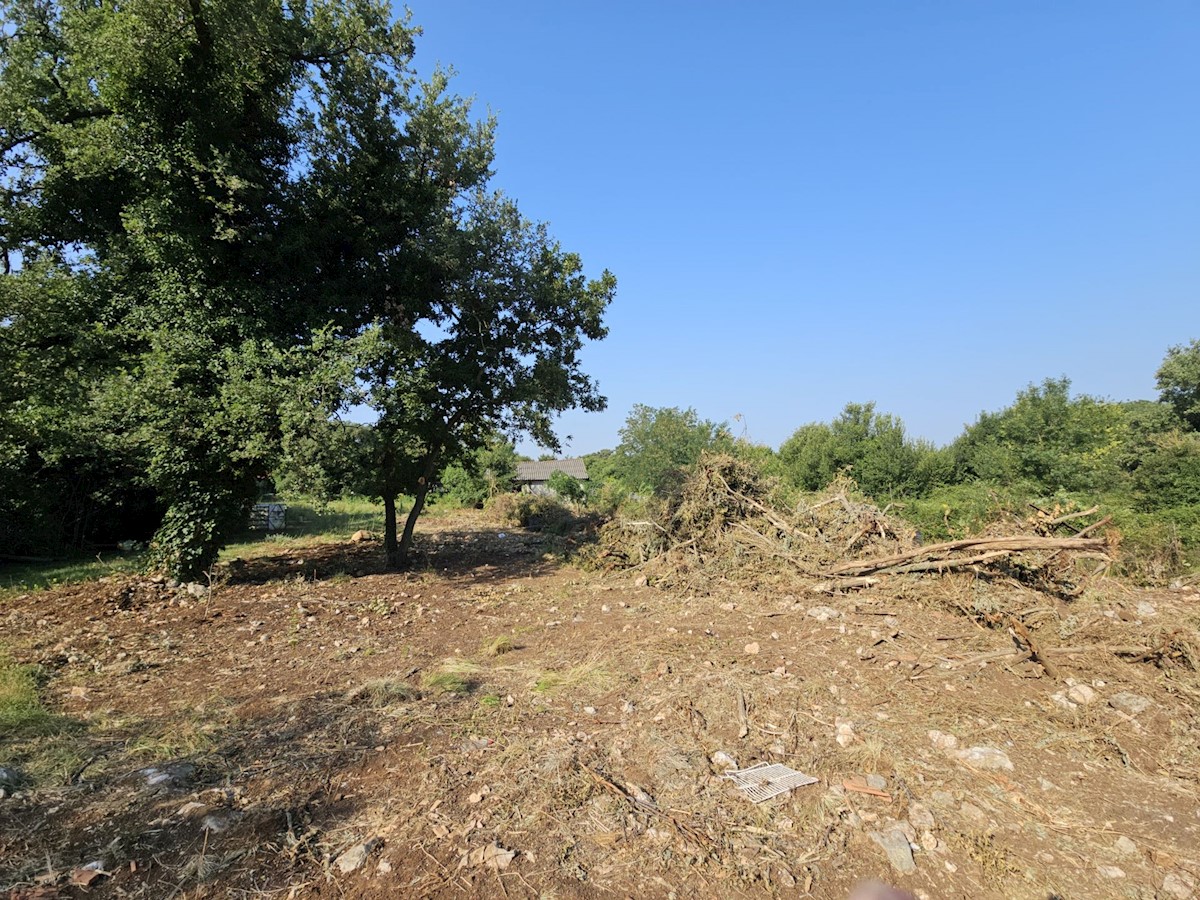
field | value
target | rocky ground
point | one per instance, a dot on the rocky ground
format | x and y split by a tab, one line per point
498	722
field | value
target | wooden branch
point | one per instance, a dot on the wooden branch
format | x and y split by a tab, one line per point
1075	515
838	584
1036	653
989	544
940	565
767	513
1093	527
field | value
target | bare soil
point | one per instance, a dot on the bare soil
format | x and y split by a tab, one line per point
498	722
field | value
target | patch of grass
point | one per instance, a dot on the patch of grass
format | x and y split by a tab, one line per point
384	692
21	578
453	676
500	646
588	673
491	701
21	709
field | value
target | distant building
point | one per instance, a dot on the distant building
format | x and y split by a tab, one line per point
532	476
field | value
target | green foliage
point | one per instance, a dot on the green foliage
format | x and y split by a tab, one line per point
540	512
1168	475
870	447
21	709
1049	439
567	487
480	475
659	444
1179	382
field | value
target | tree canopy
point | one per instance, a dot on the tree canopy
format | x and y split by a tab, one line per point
228	221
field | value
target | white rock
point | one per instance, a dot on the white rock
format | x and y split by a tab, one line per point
1110	872
355	856
1179	885
942	741
985	758
899	852
1082	694
823	613
1125	846
723	760
1130	704
920	816
752	648
845	735
1146	610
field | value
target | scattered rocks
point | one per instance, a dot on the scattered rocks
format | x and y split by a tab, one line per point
920	816
823	613
174	776
1179	885
492	856
942	741
899	851
354	857
752	648
723	760
1130	704
1124	846
1081	694
989	758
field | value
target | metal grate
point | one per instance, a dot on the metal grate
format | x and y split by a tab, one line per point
766	780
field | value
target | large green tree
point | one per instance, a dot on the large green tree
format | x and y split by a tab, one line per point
231	211
1179	382
659	443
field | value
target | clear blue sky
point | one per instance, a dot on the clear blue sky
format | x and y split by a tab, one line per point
928	205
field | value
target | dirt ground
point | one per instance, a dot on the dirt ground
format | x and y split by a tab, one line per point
499	723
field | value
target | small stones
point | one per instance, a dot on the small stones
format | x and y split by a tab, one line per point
1130	704
878	782
844	732
1179	885
1124	846
752	648
899	851
920	816
723	760
1081	694
1146	609
989	758
1112	872
823	613
353	858
942	741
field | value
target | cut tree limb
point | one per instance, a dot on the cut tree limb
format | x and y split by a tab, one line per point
939	553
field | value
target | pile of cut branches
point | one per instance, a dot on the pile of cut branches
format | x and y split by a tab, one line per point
726	523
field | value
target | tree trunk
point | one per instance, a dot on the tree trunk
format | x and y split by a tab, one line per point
409	524
390	550
431	464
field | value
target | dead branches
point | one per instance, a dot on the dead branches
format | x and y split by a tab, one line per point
941	557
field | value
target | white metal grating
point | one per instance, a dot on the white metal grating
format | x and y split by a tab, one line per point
766	780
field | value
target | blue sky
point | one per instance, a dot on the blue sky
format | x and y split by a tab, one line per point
927	205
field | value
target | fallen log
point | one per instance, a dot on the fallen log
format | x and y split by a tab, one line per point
940	553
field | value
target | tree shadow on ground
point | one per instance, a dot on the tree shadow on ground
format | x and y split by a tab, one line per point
459	554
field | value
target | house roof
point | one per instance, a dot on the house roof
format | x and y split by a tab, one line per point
541	471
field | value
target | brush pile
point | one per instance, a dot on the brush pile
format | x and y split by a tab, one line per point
728	524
